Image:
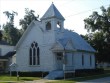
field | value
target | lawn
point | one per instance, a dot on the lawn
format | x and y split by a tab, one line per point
73	80
14	78
79	79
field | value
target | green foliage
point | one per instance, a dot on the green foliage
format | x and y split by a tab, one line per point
10	34
1	35
28	18
99	36
10	16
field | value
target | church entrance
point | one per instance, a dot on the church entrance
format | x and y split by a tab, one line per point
59	60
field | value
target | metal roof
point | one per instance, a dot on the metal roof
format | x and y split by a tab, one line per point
9	54
78	42
52	12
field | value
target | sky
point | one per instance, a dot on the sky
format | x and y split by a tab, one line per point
74	11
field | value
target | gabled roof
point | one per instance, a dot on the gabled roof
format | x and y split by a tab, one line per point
57	46
78	41
9	54
75	42
52	12
63	44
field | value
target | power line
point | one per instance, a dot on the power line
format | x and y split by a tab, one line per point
84	11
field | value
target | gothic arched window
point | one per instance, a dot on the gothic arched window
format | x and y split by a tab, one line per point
34	58
48	26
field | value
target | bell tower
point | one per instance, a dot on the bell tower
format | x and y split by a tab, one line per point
52	22
52	19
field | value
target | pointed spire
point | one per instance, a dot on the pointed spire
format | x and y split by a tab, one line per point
52	12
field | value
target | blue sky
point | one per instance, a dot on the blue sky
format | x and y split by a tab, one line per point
74	11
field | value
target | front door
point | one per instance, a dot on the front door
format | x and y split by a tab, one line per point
59	60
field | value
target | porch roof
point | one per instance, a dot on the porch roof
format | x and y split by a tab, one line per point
9	54
72	41
62	45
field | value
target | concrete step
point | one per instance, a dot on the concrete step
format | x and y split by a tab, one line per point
55	75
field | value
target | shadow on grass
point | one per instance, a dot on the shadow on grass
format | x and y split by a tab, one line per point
24	79
79	79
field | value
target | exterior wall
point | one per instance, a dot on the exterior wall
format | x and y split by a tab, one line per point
46	55
14	59
1	65
69	61
5	49
87	65
78	60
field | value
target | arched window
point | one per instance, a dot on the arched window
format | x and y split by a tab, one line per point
58	25
34	54
48	26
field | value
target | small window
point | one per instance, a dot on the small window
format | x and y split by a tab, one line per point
59	56
0	51
82	59
58	25
90	60
48	26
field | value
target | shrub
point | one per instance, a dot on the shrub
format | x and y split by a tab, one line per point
30	74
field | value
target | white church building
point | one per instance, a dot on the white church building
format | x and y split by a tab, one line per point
47	46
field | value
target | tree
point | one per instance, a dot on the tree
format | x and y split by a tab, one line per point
28	18
11	33
99	27
1	35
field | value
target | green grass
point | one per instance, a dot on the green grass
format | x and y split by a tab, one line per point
79	79
14	78
63	81
73	80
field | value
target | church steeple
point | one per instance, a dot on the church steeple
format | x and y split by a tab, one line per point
52	12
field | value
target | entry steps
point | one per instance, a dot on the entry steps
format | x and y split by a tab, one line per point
55	74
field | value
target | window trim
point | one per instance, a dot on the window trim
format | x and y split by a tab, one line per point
49	26
33	54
